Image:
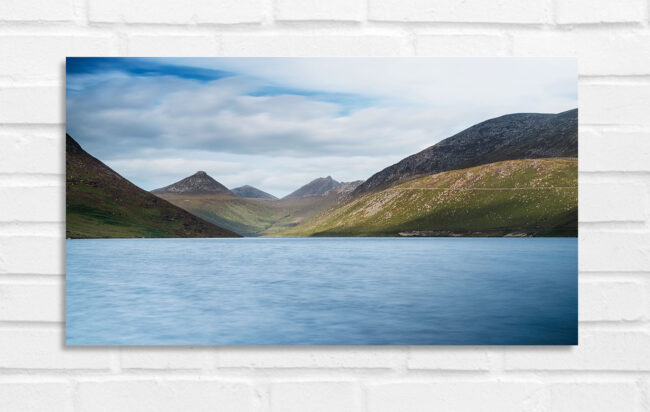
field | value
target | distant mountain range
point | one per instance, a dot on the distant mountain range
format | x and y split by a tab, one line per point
251	192
316	187
245	210
512	175
248	210
102	204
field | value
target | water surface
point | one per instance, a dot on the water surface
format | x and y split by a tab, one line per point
322	291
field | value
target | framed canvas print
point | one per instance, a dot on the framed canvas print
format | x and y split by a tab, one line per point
321	201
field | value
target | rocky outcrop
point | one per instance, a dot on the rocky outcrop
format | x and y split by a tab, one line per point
345	188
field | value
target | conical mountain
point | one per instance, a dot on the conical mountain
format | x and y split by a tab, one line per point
102	204
200	183
316	187
252	192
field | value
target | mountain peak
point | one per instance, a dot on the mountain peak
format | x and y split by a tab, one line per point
252	192
199	183
91	190
316	187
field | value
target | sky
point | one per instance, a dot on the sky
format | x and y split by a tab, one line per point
278	123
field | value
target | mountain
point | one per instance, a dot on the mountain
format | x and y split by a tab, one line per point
203	196
345	187
102	204
512	175
251	216
509	137
532	197
316	187
199	183
251	192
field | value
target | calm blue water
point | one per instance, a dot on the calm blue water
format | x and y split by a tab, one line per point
322	291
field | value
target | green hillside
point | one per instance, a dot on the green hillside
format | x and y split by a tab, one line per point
250	217
102	204
517	197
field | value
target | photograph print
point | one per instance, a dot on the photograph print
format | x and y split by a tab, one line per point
321	201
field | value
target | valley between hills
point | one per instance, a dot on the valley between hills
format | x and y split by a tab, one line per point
515	175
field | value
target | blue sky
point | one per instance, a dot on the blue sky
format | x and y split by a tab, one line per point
277	123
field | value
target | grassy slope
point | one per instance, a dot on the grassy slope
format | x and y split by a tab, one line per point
250	217
541	198
102	204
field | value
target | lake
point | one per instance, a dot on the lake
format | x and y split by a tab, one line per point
322	291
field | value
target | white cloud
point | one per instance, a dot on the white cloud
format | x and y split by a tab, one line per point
278	123
506	83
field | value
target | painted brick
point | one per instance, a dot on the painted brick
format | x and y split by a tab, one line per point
614	103
315	396
612	201
612	301
460	45
36	396
614	151
471	11
32	302
345	10
595	397
599	11
28	152
37	10
173	46
613	251
607	371
312	45
596	351
590	47
164	395
45	104
26	204
307	357
448	358
43	57
44	349
166	358
503	396
37	255
173	12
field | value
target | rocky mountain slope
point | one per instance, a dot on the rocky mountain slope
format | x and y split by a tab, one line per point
537	197
316	187
102	204
251	192
199	183
514	136
345	188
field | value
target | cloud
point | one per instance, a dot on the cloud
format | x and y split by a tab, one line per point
278	123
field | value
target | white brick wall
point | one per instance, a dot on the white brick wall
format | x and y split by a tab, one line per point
609	371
